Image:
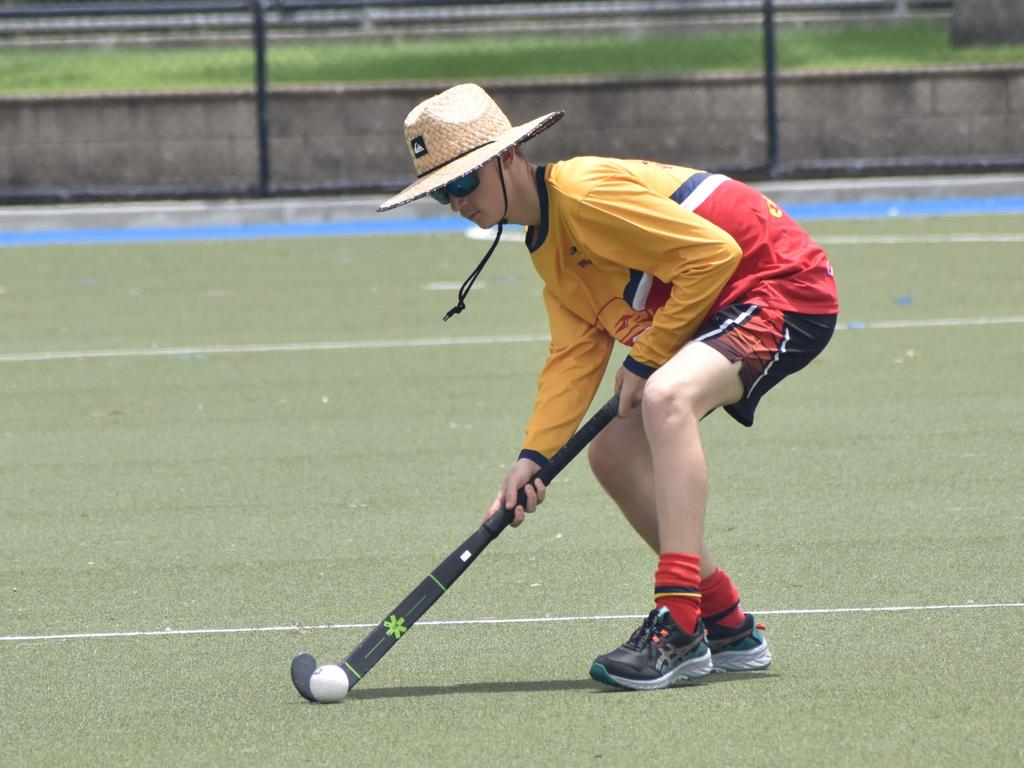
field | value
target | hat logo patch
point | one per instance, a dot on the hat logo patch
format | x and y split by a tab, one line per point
419	147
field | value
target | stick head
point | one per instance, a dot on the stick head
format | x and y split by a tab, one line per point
303	667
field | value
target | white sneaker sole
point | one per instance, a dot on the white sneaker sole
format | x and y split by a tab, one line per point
743	661
692	669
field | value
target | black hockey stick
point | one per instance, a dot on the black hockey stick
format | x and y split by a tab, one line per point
394	626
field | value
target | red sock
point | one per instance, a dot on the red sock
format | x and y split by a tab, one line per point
720	602
677	587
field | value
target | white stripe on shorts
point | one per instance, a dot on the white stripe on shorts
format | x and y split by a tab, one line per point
739	320
775	359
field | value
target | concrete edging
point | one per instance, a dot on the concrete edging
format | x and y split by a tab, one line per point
175	214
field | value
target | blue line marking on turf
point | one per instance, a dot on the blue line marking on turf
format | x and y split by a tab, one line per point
241	232
383	225
873	209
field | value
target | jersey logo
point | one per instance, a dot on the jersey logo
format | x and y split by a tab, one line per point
773	208
582	263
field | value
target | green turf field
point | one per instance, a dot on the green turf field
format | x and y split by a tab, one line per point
124	68
248	493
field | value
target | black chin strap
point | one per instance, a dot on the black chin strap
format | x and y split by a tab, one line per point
468	284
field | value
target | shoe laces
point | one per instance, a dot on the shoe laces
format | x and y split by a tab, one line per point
642	635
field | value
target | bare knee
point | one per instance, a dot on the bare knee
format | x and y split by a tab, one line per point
617	449
668	402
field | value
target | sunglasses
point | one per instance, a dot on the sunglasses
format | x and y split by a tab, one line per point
460	187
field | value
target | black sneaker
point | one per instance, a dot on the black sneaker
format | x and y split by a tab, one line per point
741	649
656	655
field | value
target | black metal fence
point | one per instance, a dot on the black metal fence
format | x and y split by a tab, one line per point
263	97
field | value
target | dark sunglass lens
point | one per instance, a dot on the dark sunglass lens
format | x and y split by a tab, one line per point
440	195
463	185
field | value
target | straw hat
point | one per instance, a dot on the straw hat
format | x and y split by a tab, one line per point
456	132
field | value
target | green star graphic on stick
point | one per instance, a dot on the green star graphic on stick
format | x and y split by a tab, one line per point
395	627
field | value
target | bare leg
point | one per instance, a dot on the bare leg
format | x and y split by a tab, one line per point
695	381
621	461
620	458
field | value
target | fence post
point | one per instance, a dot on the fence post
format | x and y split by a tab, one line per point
770	86
259	41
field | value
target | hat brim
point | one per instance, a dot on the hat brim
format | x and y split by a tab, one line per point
472	161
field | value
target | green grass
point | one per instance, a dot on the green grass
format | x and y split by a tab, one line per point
119	69
302	488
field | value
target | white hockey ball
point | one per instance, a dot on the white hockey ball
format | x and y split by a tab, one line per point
329	684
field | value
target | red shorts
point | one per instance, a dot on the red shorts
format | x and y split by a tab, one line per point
769	343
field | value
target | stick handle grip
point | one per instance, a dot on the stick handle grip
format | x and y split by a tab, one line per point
500	520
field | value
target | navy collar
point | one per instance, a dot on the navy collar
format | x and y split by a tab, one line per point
535	236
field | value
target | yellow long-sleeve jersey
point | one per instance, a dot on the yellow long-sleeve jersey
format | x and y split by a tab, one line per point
639	252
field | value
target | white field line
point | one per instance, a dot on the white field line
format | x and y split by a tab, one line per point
240	349
950	322
916	239
464	622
